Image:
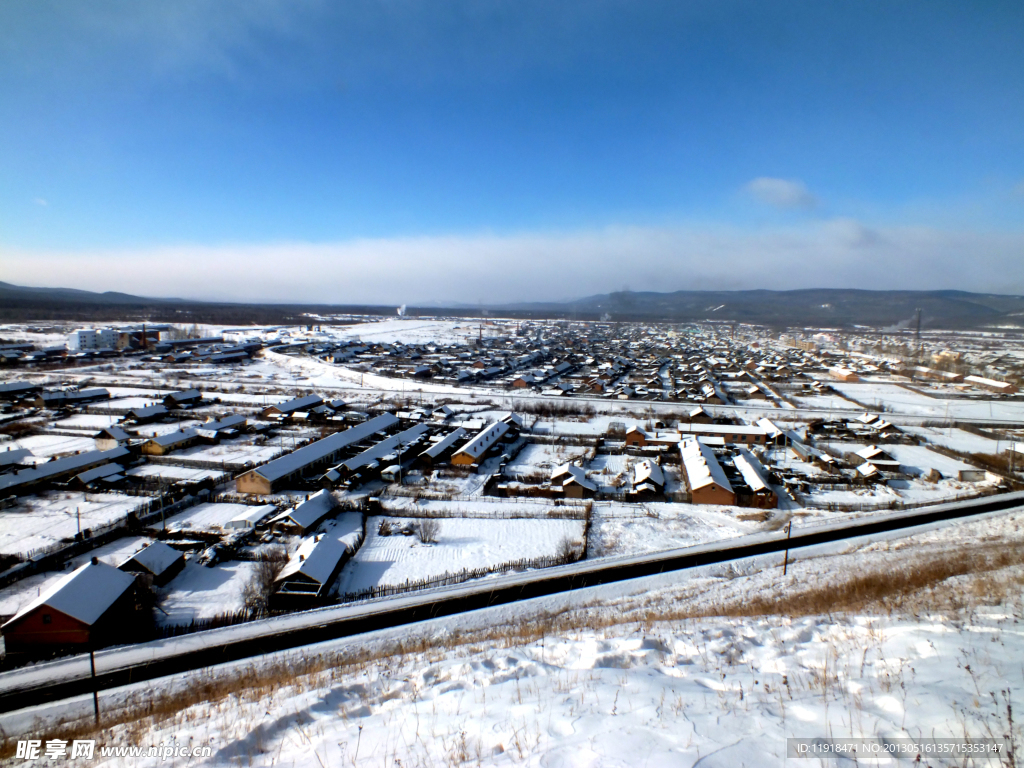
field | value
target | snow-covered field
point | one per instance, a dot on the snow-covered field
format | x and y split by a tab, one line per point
535	458
87	421
461	544
46	519
957	439
240	452
917	458
621	529
902	400
826	403
173	473
209	517
199	592
45	446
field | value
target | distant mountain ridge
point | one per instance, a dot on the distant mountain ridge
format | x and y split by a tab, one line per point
8	291
810	307
824	307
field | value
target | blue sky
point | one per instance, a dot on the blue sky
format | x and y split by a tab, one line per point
457	151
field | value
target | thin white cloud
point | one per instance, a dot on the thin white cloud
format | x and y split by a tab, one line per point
839	253
781	193
41	201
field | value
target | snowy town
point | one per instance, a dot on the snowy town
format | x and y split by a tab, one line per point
185	483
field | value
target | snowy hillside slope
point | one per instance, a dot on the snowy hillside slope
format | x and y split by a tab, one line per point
917	636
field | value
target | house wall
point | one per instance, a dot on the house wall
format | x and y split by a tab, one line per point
32	632
712	494
636	438
251	482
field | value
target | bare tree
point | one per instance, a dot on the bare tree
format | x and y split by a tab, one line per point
428	530
256	593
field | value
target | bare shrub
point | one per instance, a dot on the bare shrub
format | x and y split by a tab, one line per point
385	528
427	530
568	550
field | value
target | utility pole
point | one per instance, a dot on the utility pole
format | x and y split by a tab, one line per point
785	562
95	686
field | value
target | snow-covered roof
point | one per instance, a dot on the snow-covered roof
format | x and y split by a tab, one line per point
85	594
65	466
114	433
174	438
769	427
105	470
444	444
722	429
487	437
147	412
388	445
753	472
156	557
252	515
313	509
299	404
701	465
571	473
872	452
316	558
16	456
303	457
647	471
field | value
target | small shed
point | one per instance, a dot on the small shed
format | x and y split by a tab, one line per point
185	398
156	560
147	414
307	515
251	517
311	570
573	481
111	437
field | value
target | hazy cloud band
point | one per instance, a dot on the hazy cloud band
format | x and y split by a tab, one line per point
839	253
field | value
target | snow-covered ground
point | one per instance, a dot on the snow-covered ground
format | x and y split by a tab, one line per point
199	592
633	529
44	446
958	439
46	519
240	451
714	667
87	421
902	400
173	473
826	403
461	544
210	516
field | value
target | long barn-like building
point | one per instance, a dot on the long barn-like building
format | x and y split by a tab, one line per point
279	472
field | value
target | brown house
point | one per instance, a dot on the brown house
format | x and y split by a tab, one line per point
95	605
